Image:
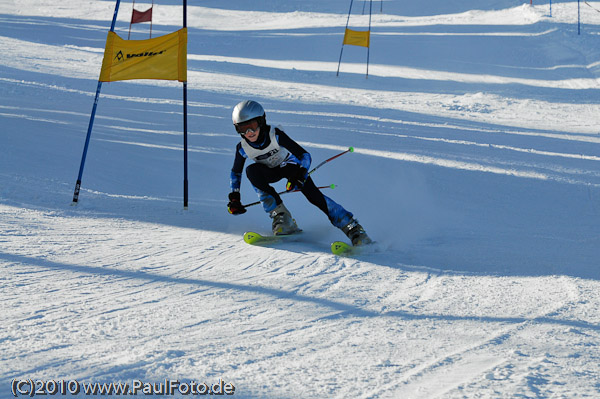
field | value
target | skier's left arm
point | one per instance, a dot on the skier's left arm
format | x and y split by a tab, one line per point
299	157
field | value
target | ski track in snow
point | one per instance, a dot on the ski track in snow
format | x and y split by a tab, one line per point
480	151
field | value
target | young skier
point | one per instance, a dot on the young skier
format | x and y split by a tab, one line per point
276	156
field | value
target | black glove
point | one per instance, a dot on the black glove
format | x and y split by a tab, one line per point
235	206
297	179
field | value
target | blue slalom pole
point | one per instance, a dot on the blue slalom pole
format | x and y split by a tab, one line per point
92	116
342	50
369	47
185	127
578	19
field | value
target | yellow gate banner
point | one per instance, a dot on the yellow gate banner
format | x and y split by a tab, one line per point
163	58
357	38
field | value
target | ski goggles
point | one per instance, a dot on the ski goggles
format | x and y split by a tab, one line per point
246	127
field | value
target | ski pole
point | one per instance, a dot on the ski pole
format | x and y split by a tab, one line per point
332	186
351	149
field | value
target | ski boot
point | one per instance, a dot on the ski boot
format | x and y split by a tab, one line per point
282	221
355	232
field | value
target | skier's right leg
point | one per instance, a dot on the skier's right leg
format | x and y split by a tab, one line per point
260	177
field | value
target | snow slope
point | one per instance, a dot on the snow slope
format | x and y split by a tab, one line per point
476	169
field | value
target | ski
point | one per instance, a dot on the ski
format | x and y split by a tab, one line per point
253	238
341	248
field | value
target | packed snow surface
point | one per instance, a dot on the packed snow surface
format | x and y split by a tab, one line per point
476	169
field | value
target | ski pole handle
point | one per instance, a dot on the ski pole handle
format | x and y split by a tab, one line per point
332	186
350	149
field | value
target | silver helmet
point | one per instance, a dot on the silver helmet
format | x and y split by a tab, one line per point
247	111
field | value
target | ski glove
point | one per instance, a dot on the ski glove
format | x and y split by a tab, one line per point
235	206
298	178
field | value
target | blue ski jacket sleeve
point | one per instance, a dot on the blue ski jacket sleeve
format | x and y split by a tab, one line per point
300	155
235	179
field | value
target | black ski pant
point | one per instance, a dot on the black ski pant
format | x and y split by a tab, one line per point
261	177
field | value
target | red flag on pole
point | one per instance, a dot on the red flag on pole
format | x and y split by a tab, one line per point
141	16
